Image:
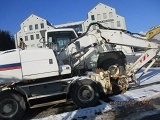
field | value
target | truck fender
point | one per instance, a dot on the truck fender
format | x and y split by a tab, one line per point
118	55
14	88
110	60
21	91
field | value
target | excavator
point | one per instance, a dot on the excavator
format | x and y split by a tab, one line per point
154	33
60	72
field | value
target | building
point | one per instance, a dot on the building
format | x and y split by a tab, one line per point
103	14
106	16
31	27
30	31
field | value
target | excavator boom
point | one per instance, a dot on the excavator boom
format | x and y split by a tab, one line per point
154	33
103	36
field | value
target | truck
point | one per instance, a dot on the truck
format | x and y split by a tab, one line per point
36	77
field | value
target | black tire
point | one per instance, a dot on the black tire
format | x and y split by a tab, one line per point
105	65
12	105
78	95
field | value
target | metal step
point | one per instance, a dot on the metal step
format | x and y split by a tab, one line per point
48	103
45	96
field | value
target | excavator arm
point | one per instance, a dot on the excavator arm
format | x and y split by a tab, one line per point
98	38
94	42
127	39
154	33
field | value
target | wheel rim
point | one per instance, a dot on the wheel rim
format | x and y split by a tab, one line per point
85	93
8	108
114	70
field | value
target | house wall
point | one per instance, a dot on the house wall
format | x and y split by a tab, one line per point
30	31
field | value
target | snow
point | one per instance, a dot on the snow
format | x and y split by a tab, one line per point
151	76
143	114
136	95
89	112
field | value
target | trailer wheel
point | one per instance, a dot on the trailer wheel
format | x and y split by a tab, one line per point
113	66
12	105
85	93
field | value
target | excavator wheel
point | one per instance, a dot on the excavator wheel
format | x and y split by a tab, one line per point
12	105
85	93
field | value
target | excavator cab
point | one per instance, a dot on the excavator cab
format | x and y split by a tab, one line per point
58	39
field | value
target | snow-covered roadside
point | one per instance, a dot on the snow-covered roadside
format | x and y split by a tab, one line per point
138	95
152	75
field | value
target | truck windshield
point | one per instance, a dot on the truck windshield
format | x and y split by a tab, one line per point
60	38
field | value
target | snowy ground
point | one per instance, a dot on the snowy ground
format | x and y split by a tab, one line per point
137	96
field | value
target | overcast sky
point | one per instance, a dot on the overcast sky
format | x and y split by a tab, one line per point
140	15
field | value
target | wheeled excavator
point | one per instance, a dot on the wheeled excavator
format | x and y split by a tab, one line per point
35	77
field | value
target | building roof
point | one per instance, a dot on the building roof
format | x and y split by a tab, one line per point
32	15
99	5
68	24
